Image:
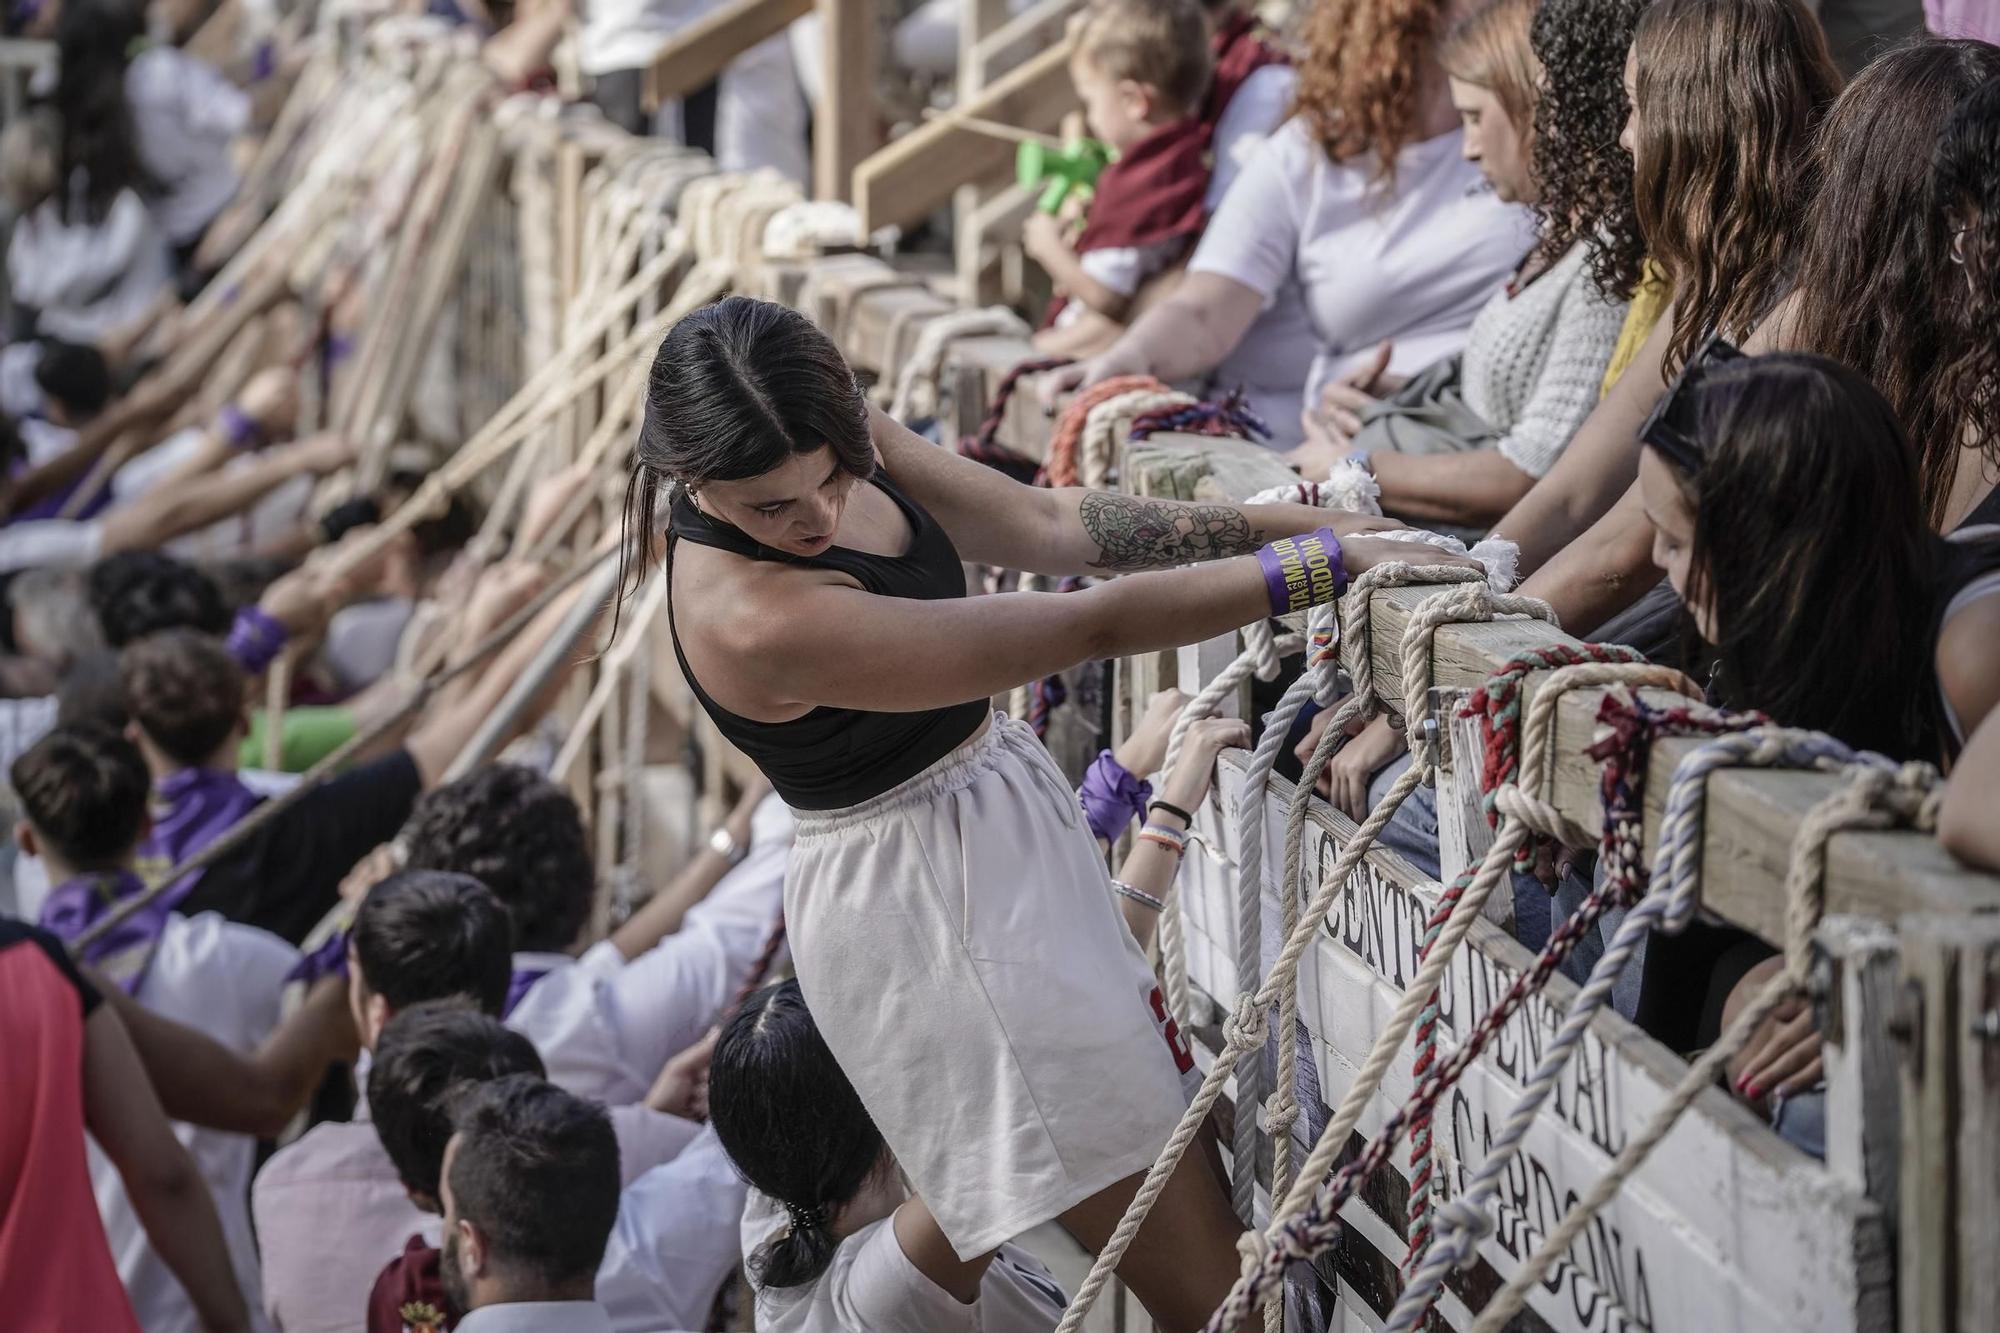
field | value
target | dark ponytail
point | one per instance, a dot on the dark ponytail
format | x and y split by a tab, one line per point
94	43
794	1127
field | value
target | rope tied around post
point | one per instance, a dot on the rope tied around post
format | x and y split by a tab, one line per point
1878	794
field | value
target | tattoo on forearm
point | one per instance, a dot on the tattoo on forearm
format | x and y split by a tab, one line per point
1134	533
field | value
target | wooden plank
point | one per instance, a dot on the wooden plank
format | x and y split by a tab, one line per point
845	130
703	49
1752	815
1859	964
1928	1022
975	367
1015	42
1978	1230
1726	1227
918	172
881	326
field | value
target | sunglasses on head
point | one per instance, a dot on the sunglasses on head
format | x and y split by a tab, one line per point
1673	427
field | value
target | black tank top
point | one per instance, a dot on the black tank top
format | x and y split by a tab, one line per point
836	757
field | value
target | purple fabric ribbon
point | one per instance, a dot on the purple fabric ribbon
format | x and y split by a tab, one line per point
329	960
518	986
238	429
1302	571
122	954
1112	797
256	637
191	809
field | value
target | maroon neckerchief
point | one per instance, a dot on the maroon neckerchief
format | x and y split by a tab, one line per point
408	1296
1241	47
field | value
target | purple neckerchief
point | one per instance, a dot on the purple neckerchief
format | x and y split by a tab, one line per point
123	954
1112	798
51	506
191	809
256	637
518	986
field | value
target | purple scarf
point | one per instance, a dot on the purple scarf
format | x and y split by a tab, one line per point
124	954
518	986
191	809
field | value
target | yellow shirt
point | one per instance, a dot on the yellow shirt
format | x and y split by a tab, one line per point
1649	301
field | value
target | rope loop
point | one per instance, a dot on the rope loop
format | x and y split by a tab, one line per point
1254	1250
1246	1028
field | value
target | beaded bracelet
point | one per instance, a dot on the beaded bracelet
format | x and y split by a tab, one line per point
1171	839
1140	896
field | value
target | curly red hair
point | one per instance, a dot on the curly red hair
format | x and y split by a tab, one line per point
1358	80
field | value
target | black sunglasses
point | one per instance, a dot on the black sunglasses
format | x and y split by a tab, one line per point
1673	428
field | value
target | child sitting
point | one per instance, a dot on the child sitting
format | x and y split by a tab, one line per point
1142	68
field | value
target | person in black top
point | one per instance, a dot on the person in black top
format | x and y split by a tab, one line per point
949	913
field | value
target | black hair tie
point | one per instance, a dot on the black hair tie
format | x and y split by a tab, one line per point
806	1219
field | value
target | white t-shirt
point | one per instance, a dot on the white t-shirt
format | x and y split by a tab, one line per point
627	34
225	980
1274	358
1122	268
606	1027
51	543
187	117
674	1243
1411	262
872	1287
86	281
1259	106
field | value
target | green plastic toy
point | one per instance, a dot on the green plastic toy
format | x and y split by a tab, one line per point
1059	171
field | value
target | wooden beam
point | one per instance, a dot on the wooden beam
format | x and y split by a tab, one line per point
1752	814
918	172
845	128
703	49
1014	42
975	367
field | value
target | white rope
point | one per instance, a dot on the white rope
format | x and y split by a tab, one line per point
804	229
1097	449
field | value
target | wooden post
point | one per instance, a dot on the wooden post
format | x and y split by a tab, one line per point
1948	1012
845	130
1863	1098
978	280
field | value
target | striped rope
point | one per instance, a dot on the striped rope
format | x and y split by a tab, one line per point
1230	417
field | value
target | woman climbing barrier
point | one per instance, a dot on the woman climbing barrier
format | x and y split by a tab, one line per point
952	922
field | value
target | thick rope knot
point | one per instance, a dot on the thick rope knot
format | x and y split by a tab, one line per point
1462	1225
1281	1115
1247	1027
1255	1249
1470	602
1516	802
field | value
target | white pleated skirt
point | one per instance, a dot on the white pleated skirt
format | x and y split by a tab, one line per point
963	955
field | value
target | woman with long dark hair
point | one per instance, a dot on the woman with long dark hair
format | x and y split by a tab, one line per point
1790	522
1965	183
834	1240
949	911
1785	509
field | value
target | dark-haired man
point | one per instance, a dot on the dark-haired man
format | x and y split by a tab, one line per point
83	795
333	1207
530	1194
609	1020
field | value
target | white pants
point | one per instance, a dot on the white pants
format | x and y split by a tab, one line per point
959	946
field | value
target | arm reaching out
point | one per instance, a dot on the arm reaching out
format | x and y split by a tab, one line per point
166	1190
